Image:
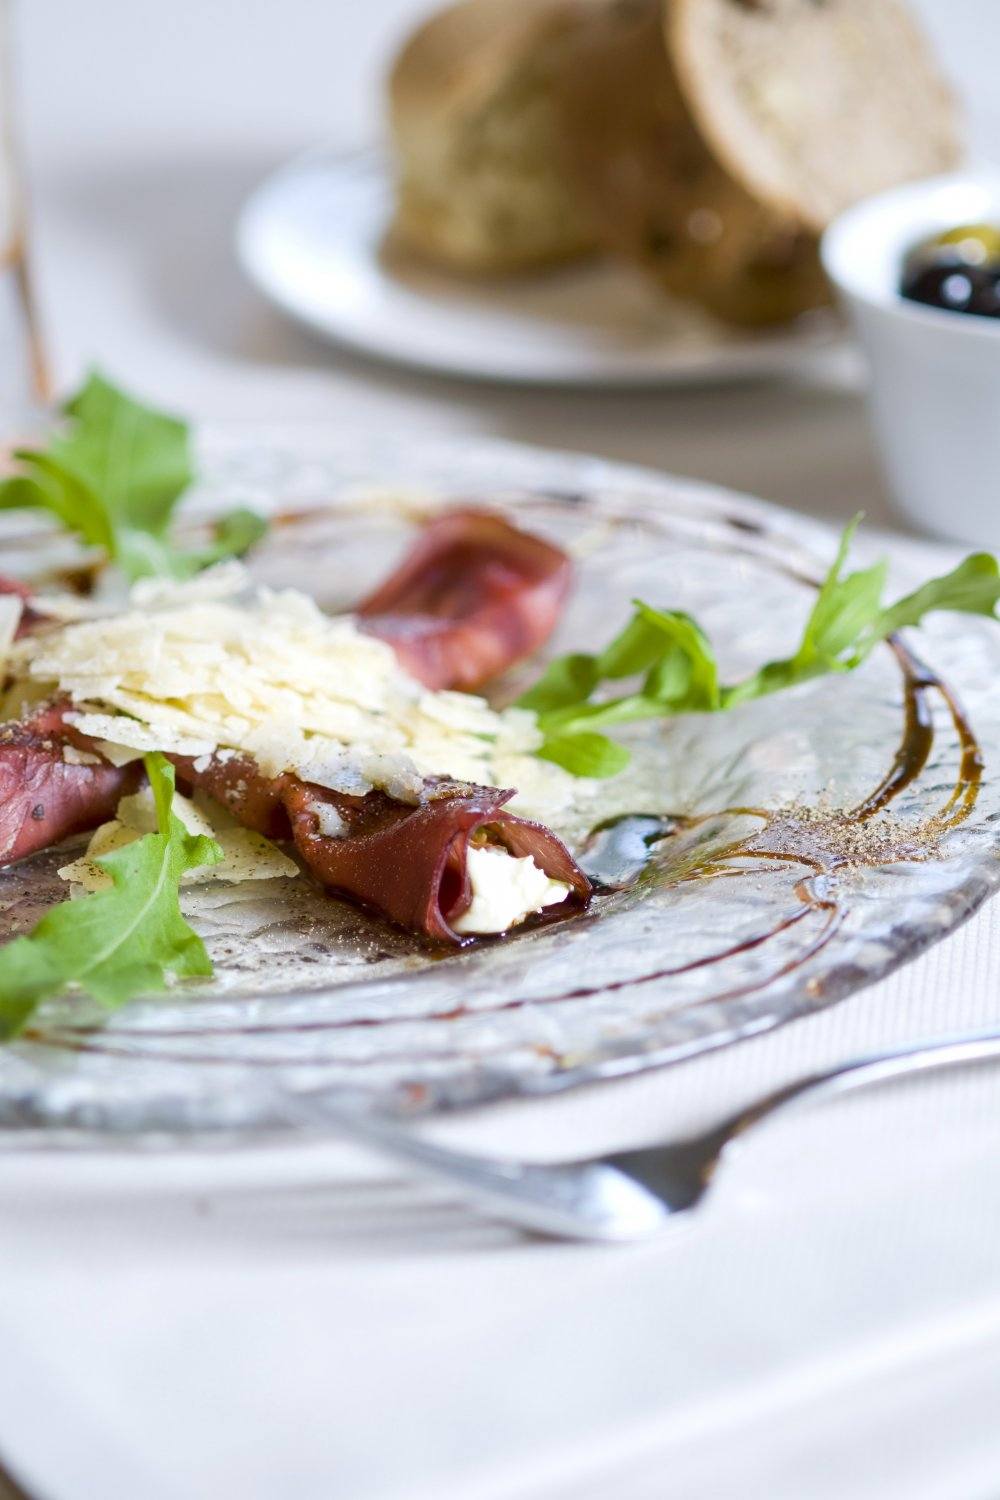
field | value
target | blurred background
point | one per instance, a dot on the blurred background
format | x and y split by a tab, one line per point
145	127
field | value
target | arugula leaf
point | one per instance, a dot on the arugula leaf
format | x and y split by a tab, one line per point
116	942
848	620
844	609
566	682
114	475
972	588
137	460
678	667
142	555
232	535
585	754
48	486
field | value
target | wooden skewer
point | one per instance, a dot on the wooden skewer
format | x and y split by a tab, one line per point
40	369
14	258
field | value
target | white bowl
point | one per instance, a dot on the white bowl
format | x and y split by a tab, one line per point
935	375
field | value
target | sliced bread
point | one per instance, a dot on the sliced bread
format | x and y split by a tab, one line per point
813	104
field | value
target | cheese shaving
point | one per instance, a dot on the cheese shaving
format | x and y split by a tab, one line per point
246	855
11	609
224	667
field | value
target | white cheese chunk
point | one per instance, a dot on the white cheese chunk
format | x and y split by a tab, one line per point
505	890
11	609
329	823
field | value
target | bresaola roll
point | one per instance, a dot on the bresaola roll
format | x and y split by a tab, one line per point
407	861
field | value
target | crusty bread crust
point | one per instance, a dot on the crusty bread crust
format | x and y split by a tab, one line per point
461	53
813	104
479	170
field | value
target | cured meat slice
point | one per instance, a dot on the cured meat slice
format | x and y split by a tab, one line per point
411	862
43	796
407	861
473	596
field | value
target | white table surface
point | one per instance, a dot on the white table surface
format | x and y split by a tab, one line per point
301	1322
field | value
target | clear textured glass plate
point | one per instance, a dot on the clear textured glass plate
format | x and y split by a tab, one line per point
790	852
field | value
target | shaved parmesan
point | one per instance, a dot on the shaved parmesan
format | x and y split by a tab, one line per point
11	609
246	855
217	666
74	757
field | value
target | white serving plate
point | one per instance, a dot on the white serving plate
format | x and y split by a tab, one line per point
311	238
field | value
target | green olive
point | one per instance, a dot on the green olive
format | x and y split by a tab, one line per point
976	244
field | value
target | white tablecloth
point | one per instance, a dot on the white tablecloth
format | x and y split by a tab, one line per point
298	1321
829	1326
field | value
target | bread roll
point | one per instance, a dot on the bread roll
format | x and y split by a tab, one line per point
707	141
480	179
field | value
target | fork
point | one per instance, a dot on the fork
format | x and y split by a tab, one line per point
628	1195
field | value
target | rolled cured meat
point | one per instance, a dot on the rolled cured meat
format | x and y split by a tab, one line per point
406	861
473	596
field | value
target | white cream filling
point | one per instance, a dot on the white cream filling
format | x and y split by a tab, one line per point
505	890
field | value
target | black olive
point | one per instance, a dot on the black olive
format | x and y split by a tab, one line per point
958	270
955	286
925	256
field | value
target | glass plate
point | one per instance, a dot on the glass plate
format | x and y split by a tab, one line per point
788	853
